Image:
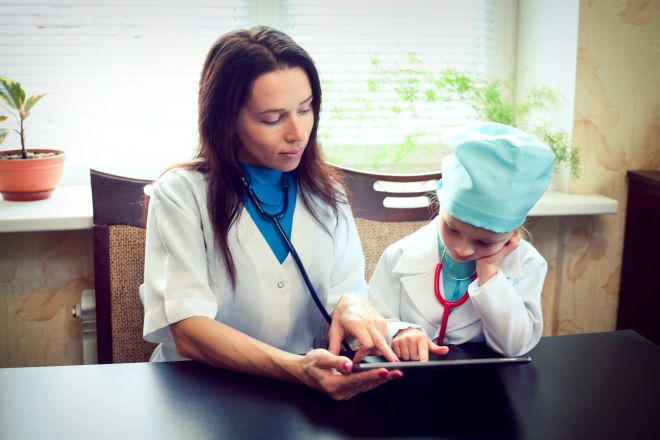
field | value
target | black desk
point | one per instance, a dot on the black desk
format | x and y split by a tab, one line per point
595	386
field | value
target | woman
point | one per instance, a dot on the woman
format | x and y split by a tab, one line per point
220	285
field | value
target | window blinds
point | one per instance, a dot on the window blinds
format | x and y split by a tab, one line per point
120	76
377	61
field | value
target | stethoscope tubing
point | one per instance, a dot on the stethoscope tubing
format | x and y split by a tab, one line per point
275	219
447	305
303	272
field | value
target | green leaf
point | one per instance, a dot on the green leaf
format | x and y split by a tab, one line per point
32	101
412	58
11	93
5	99
3	134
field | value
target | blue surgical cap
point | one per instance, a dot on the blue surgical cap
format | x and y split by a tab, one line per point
494	176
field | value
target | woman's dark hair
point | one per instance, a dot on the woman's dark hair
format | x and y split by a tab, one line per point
232	65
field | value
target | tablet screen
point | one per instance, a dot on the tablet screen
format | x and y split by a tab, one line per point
371	362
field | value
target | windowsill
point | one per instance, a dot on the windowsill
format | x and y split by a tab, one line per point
70	208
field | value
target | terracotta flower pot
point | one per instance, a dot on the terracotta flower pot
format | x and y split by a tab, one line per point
30	179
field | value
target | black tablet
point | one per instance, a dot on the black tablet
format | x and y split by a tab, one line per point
371	362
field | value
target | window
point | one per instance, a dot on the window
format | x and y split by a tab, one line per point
121	76
378	64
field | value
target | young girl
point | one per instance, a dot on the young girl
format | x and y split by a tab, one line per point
468	275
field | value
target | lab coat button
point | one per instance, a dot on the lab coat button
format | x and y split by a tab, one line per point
280	284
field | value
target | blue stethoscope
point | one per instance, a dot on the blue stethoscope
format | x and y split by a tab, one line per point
275	219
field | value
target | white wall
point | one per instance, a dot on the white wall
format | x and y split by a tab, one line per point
547	53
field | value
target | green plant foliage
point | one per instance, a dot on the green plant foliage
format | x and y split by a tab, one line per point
12	97
389	95
559	143
492	100
409	91
3	131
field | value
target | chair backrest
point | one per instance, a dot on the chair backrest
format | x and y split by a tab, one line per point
388	207
119	239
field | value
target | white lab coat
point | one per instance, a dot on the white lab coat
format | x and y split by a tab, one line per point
185	274
505	312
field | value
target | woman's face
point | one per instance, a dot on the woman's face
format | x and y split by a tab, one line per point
465	242
275	123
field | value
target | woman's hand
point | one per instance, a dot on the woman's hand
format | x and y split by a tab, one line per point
487	266
355	316
413	344
332	375
214	343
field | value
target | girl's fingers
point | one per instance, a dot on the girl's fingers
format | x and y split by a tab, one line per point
405	351
396	348
423	350
438	349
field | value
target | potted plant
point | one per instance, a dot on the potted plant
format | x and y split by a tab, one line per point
25	174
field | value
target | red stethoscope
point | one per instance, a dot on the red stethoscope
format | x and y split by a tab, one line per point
447	305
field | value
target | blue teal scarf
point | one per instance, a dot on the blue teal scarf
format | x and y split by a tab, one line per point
453	289
267	185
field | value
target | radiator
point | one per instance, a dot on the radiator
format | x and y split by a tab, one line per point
86	312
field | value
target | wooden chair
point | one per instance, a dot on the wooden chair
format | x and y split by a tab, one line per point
119	238
388	207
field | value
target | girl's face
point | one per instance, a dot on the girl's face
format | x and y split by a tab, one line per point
275	123
465	242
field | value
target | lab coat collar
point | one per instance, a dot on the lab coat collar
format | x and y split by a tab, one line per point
419	252
257	245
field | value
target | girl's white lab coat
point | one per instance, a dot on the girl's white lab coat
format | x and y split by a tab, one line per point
185	274
505	312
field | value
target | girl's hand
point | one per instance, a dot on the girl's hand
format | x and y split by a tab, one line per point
355	316
487	266
332	375
413	344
